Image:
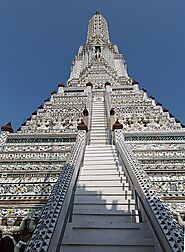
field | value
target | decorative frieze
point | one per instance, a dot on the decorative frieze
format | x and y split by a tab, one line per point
41	140
33	188
154	138
34	156
27	166
27	147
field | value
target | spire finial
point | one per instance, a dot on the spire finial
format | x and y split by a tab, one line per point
98	29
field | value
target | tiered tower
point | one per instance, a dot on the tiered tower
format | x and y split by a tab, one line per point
103	158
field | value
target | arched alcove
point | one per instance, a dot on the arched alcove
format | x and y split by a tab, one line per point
6	244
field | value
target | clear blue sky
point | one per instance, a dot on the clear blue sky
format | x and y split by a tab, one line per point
39	38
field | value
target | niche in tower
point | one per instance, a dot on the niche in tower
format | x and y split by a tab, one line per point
97	52
97	49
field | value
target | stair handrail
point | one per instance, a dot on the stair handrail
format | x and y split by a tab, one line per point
168	232
49	232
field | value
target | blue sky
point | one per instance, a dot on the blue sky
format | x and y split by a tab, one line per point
39	38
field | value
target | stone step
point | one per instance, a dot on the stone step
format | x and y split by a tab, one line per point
103	165
92	134
101	134
99	115
98	119
99	126
100	141
98	112
103	181
99	162
94	120
104	211
95	128
106	218
105	146
101	173
98	122
101	154
101	178
99	131
93	153
107	248
98	138
98	104
99	158
100	151
89	225
107	234
109	167
99	183
125	193
102	125
96	208
109	199
99	148
104	134
102	189
98	135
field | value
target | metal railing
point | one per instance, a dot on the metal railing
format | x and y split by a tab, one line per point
167	232
50	230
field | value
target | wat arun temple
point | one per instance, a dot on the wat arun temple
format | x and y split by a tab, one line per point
100	166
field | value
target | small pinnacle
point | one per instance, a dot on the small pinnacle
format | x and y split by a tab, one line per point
97	13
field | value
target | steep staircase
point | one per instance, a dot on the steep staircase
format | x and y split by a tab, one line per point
98	122
105	216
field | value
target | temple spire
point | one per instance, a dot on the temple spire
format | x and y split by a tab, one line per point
98	29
